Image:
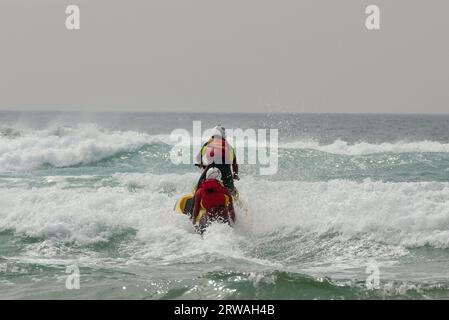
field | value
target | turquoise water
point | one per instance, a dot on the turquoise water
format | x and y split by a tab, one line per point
351	192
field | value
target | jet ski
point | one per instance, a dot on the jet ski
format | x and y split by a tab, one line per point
185	204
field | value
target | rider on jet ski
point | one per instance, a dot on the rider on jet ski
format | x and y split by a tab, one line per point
213	202
218	153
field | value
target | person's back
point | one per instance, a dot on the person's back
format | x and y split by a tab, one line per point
217	150
213	202
218	153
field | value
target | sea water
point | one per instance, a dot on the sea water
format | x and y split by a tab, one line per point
358	208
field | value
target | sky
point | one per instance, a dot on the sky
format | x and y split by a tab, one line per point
225	56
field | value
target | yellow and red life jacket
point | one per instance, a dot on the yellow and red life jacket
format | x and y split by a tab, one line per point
217	150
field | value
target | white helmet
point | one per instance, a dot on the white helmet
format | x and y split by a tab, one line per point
219	131
213	173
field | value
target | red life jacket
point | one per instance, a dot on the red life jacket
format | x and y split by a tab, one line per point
214	195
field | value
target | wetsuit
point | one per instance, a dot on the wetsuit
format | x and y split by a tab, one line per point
222	156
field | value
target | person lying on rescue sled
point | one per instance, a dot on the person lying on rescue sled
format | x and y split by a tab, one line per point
213	202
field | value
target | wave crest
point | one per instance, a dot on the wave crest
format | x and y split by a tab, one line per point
67	146
364	148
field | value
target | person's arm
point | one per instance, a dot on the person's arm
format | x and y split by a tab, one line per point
196	205
199	156
199	159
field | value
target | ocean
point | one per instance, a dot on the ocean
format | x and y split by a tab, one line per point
358	209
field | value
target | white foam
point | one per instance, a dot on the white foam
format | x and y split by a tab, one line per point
86	216
87	143
66	146
364	148
405	214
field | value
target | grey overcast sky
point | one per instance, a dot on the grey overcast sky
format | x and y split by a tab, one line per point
225	56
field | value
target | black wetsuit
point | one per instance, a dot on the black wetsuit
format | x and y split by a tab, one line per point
226	169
